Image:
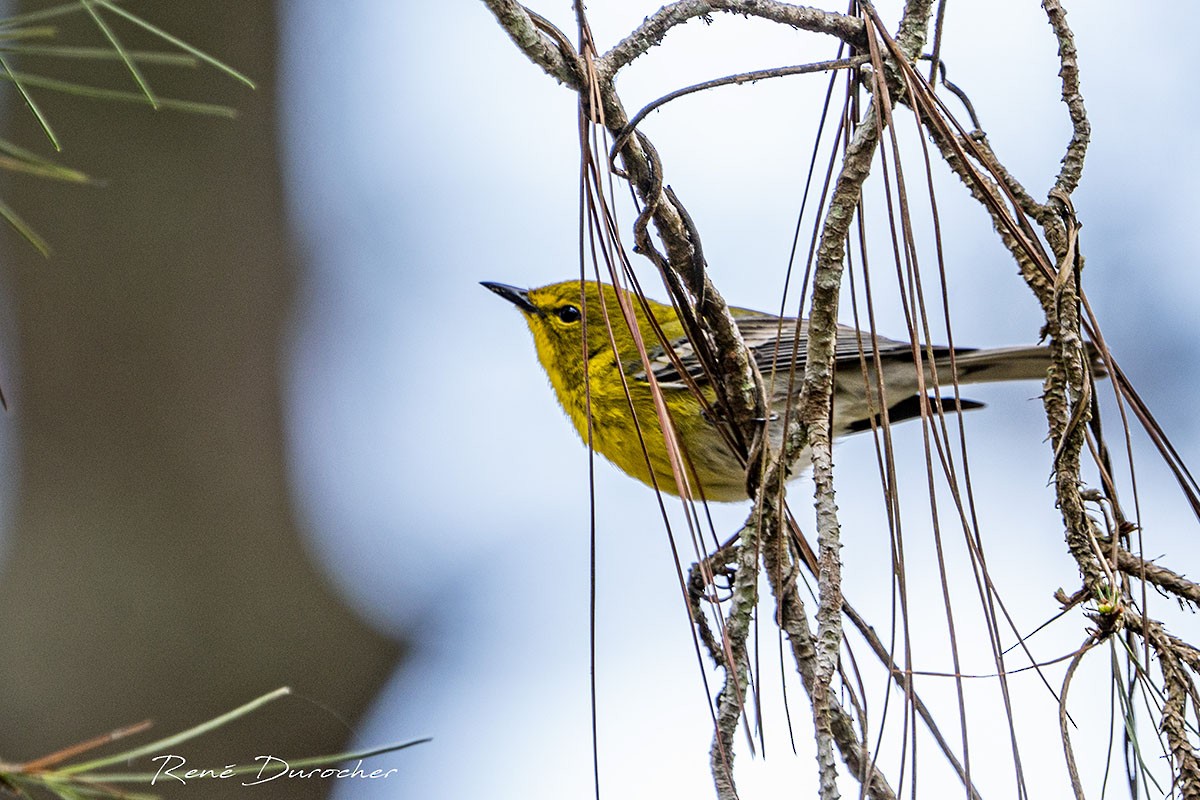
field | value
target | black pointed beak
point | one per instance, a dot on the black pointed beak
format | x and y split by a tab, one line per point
518	297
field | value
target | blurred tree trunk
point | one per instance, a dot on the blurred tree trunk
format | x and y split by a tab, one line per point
155	568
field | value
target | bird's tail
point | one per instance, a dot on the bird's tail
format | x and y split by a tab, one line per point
1010	364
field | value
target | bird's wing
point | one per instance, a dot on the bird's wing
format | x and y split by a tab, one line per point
775	344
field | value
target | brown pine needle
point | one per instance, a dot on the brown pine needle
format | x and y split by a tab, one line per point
67	753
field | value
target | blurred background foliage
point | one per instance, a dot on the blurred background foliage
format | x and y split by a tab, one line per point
153	566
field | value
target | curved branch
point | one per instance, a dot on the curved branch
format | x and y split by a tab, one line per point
1072	161
1064	727
957	91
655	27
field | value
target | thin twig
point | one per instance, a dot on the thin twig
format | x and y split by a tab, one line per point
737	80
1063	719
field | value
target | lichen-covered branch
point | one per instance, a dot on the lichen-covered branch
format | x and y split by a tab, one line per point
656	26
529	32
1054	280
1160	576
1067	403
816	394
1081	129
814	429
970	158
792	620
1177	687
731	700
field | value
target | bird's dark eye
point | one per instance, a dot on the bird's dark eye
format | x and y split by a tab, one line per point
568	314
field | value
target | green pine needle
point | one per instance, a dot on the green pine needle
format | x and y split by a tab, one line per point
81	781
182	45
17	38
33	106
100	53
166	744
109	34
23	228
100	93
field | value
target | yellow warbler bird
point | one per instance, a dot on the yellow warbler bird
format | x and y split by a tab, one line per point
556	315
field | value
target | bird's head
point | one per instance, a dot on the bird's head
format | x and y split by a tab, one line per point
558	314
